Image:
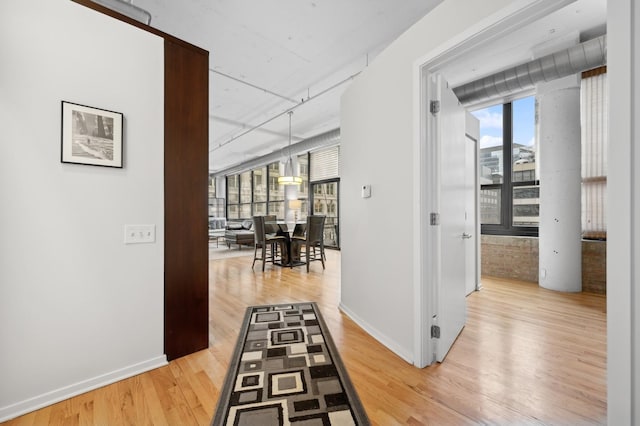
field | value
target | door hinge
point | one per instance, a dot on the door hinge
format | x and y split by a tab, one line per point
434	107
435	332
434	219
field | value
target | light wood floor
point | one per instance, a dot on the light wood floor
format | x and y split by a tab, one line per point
526	356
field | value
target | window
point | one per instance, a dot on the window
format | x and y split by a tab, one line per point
325	202
212	186
509	184
245	195
257	192
216	205
594	104
233	197
276	192
303	190
260	191
325	164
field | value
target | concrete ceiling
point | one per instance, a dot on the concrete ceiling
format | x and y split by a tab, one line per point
270	56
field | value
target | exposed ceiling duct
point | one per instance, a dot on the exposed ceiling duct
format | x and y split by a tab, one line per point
581	57
326	139
127	8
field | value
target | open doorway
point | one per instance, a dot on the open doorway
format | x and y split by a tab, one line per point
519	168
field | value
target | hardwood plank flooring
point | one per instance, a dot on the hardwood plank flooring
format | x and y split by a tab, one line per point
526	356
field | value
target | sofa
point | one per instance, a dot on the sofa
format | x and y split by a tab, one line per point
240	233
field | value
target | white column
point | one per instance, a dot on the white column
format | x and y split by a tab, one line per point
560	239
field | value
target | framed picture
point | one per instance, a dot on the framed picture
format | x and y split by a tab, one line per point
91	136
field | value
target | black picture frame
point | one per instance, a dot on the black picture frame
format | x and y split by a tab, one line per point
91	136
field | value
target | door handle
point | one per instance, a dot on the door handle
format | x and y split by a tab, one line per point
466	236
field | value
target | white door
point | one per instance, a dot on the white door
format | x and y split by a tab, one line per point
450	290
471	210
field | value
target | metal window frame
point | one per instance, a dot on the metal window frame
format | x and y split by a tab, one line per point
506	226
312	200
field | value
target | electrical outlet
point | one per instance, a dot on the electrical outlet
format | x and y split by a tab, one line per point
139	234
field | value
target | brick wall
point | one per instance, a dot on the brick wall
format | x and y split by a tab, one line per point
517	257
510	257
594	266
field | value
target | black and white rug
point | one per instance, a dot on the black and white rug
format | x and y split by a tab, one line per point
286	370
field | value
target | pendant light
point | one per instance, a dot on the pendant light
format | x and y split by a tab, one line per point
289	177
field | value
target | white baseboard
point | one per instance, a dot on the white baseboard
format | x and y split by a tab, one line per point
66	392
376	334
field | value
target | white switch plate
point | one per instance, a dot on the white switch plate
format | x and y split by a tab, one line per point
139	234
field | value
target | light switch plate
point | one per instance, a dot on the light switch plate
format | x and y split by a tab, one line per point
139	234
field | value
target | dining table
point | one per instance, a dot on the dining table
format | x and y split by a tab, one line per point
289	257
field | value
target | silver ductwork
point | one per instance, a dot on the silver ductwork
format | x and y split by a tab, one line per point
330	138
127	8
582	57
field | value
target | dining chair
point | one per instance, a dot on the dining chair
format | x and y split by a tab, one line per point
270	225
268	244
299	229
313	239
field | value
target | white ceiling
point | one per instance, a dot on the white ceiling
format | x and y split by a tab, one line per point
270	56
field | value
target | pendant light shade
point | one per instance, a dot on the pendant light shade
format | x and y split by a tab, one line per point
290	177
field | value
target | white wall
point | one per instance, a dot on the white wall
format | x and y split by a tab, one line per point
623	251
377	148
78	308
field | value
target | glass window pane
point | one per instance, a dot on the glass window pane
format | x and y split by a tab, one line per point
245	211
526	205
216	207
594	212
276	191
233	194
212	187
259	209
277	208
331	232
325	202
490	206
524	140
304	209
232	211
260	184
303	166
594	105
245	187
303	189
491	165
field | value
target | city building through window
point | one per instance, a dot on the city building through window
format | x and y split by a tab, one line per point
509	181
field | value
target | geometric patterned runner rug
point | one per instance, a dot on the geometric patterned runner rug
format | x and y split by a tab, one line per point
286	370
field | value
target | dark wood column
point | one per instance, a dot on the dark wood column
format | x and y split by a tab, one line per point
186	156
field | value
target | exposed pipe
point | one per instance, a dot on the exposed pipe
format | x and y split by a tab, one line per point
328	89
230	77
578	58
326	139
126	8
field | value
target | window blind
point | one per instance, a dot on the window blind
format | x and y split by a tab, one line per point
594	107
325	164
